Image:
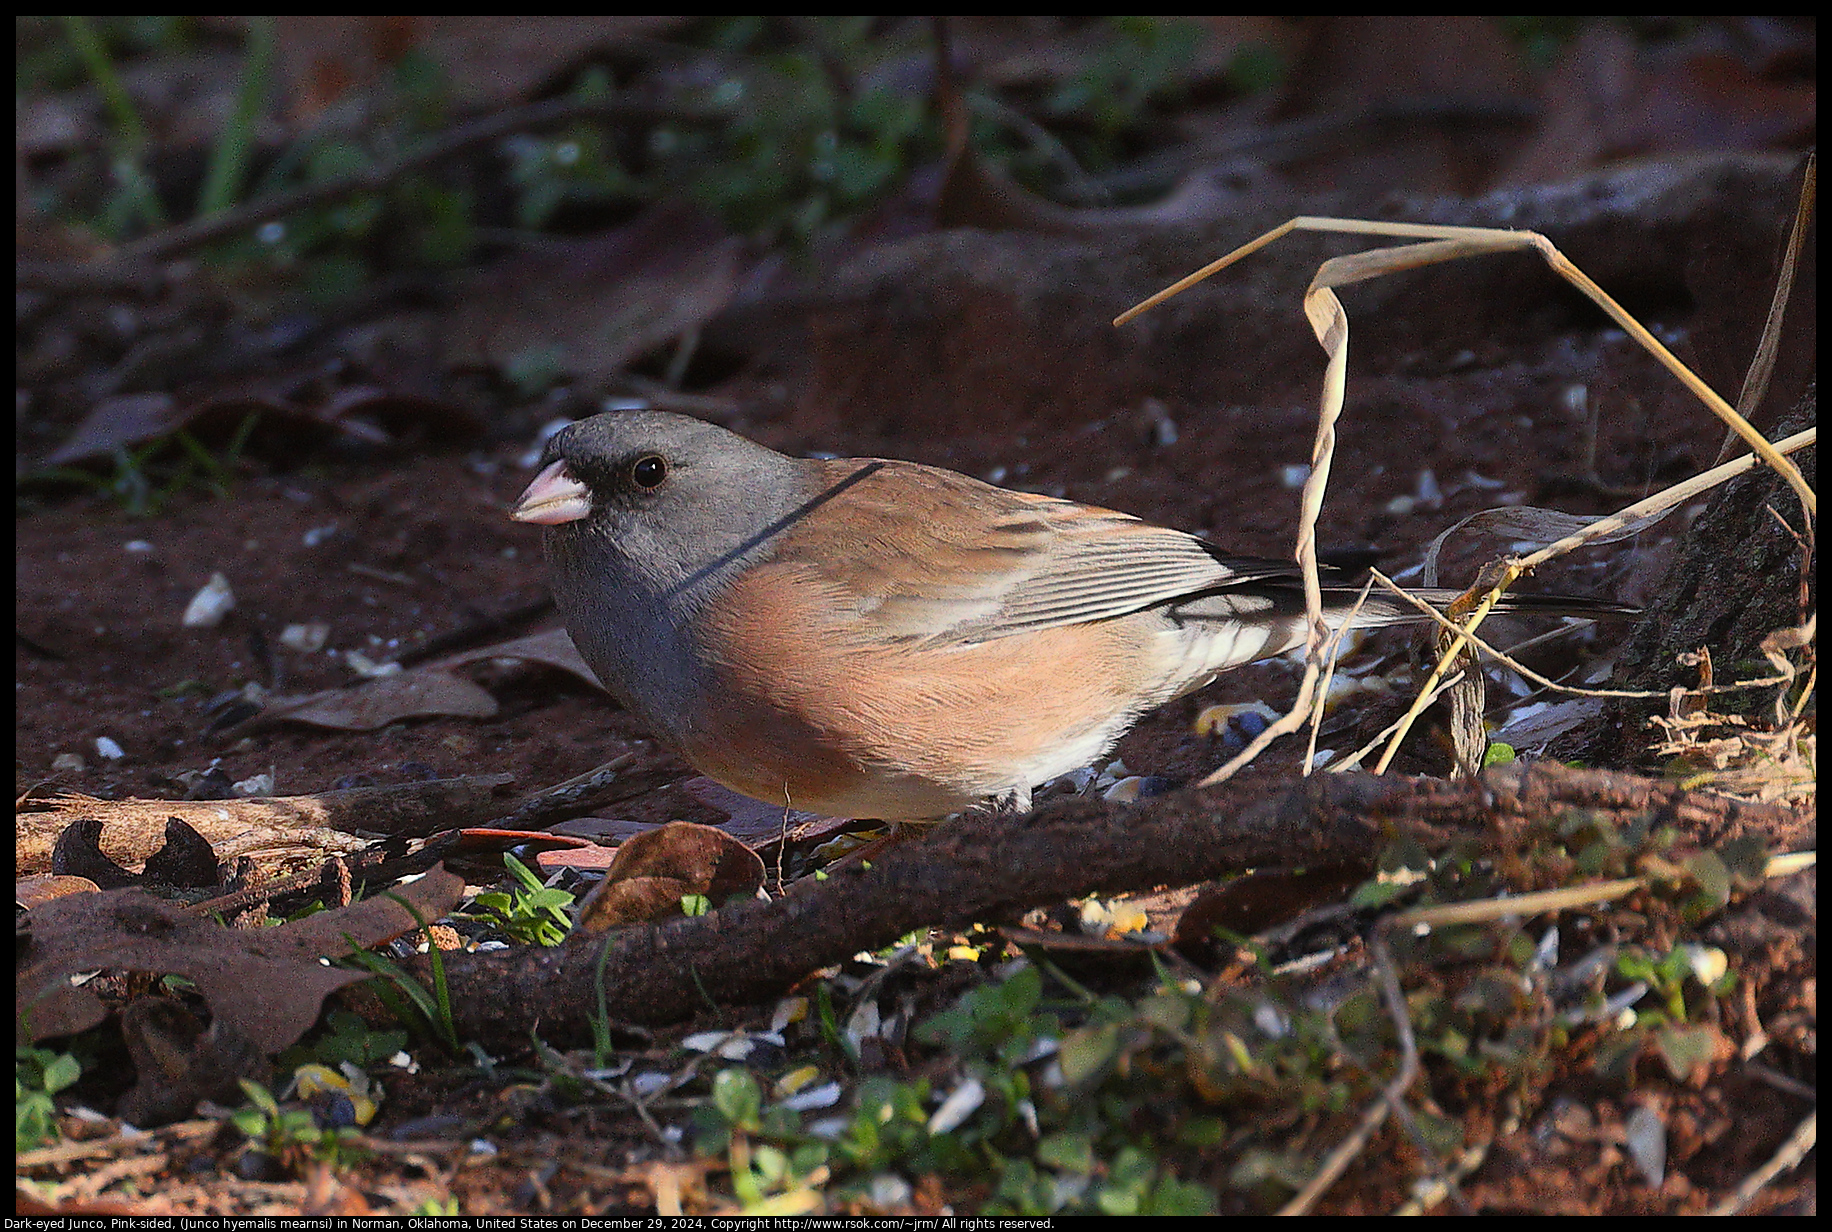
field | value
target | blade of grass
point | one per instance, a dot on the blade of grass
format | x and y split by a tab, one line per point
229	157
130	131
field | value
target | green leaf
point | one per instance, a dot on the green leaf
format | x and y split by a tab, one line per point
1175	1197
63	1071
1068	1151
1086	1052
259	1096
1747	859
521	872
1374	894
252	1122
1169	1011
1712	876
736	1095
1686	1050
1128	1183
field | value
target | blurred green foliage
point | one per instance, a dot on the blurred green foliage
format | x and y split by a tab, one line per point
822	118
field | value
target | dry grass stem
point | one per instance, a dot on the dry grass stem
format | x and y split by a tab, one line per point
1659	503
1795	1149
1329	674
1762	365
1451	243
1329	321
1353	761
1339	1159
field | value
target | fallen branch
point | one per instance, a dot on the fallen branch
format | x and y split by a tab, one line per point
992	868
132	830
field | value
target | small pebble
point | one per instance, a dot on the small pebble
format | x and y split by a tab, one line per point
255	785
366	667
1160	428
306	638
1125	791
890	1191
962	1102
209	605
1645	1135
824	1096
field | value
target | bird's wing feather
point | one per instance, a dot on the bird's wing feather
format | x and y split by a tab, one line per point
992	562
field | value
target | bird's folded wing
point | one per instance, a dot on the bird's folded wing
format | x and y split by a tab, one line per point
937	558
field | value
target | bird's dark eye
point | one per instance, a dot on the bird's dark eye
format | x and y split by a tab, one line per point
649	472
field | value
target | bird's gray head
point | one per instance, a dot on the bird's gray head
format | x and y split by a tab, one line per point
657	501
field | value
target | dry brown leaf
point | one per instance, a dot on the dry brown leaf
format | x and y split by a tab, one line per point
179	1061
116	423
553	648
41	888
422	693
1257	902
267	984
598	304
428	691
652	872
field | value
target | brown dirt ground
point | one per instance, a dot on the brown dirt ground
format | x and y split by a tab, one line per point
419	544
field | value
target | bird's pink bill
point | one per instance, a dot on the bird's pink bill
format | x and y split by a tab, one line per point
554	498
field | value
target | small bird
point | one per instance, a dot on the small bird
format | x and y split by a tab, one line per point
864	637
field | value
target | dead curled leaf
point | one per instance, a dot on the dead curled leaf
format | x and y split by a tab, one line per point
598	304
266	984
554	648
41	888
428	691
423	693
370	414
653	872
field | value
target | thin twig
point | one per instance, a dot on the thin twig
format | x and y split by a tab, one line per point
1448	243
1789	1156
1501	656
1077	184
1329	674
538	806
1340	1158
1329	321
1513	569
1665	499
1452	653
1353	760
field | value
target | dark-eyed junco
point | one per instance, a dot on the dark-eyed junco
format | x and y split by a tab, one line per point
871	638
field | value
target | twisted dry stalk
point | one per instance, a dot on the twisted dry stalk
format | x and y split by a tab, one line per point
1329	321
